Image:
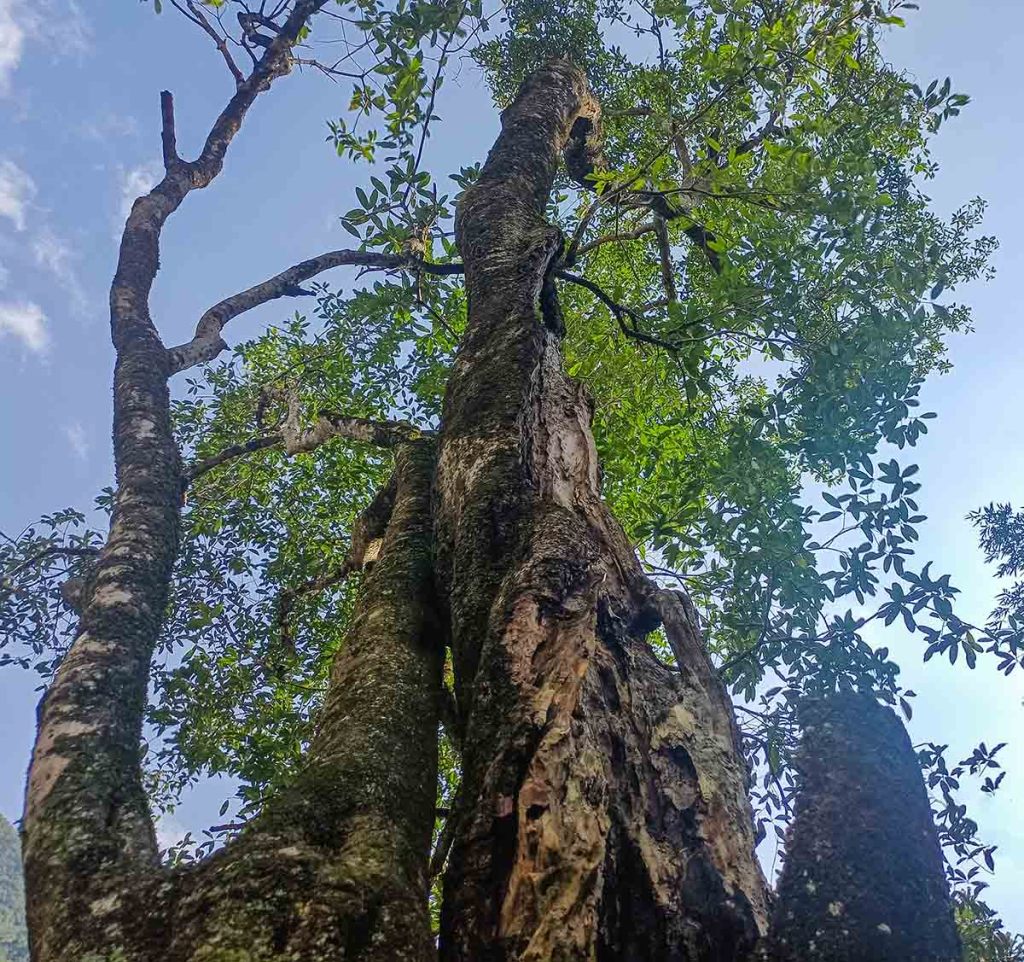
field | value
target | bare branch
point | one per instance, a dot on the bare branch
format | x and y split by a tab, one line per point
275	62
168	137
196	15
199	468
616	238
208	343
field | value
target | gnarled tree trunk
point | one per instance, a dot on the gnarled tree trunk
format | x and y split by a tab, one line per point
603	812
336	866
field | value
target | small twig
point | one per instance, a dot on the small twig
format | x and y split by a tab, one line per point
47	552
196	16
425	131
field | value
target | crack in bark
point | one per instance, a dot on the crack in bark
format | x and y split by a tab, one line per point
575	734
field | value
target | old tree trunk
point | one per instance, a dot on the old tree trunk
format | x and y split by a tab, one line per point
603	812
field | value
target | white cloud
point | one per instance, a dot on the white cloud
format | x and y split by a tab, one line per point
169	831
16	187
55	255
75	434
12	40
134	182
61	26
64	28
27	322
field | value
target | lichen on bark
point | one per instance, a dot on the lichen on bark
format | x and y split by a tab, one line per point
592	822
863	879
335	867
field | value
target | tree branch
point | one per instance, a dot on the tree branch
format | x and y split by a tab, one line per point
620	237
168	137
665	258
385	434
619	311
198	468
294	439
444	844
208	343
196	16
45	553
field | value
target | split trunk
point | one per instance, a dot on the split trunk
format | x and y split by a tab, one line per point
603	811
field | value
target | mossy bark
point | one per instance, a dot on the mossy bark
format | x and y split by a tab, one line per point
336	866
603	811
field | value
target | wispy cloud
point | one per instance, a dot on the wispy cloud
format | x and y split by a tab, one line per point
27	323
16	187
134	181
64	27
54	254
12	41
108	125
4	276
75	435
60	25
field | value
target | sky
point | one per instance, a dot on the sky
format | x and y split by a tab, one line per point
79	139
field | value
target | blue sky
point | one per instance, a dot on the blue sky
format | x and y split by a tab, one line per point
79	137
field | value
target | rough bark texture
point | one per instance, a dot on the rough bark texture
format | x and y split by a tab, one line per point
336	866
86	815
603	812
863	879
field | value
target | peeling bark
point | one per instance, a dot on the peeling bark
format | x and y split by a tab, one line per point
863	879
603	812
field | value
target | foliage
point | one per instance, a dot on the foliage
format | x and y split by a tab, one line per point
774	290
13	935
1002	539
983	936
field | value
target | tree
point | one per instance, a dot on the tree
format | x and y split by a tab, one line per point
719	255
983	936
13	937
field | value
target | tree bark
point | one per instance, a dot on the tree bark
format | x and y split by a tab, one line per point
336	866
603	810
863	879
